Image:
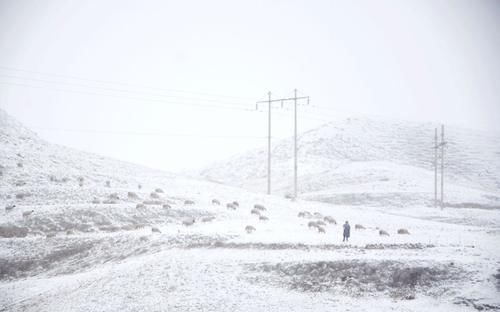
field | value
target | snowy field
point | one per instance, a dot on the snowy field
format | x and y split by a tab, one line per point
89	233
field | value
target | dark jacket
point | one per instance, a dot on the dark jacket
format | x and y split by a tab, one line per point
347	230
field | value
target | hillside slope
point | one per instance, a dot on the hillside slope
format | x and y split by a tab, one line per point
74	242
373	162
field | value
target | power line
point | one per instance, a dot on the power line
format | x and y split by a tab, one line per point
127	97
119	83
117	90
162	134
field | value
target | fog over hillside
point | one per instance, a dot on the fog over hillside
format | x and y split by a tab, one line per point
365	161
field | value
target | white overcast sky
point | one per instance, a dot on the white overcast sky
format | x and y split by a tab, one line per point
420	60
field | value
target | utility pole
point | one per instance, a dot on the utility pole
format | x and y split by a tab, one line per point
295	146
269	103
442	166
269	146
435	166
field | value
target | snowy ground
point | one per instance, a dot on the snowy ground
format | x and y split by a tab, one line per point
93	247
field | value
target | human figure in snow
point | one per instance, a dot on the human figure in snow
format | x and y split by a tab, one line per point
347	231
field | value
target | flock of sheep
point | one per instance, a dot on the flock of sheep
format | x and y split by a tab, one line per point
321	221
318	222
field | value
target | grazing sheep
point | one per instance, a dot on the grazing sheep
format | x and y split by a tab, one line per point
27	213
158	190
114	196
154	195
230	206
207	219
235	203
166	206
215	202
263	218
259	207
188	221
188	202
383	233
10	207
139	186
155	230
20	183
255	212
304	214
321	230
140	206
96	201
132	195
249	229
359	227
403	231
320	223
312	224
318	215
330	220
19	164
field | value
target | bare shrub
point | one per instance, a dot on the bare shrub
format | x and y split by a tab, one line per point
188	221
109	201
153	202
22	195
166	206
80	181
96	201
9	231
158	190
188	202
19	164
139	186
20	183
132	195
207	219
140	206
236	204
108	183
114	196
155	230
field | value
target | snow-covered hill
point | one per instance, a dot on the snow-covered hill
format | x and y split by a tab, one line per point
81	232
373	162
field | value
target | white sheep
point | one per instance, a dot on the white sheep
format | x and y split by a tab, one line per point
27	213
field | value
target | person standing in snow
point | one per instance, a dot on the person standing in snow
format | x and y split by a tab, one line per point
347	231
